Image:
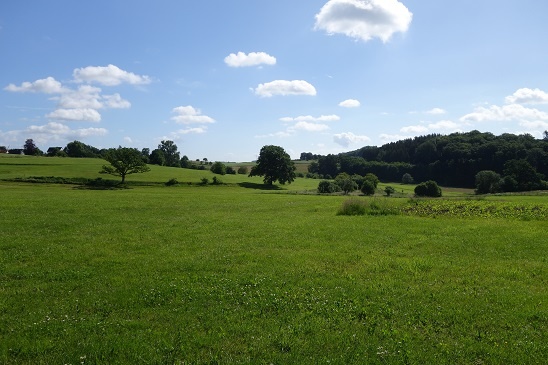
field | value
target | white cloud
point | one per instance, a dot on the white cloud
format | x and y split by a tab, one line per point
350	103
47	86
391	137
414	129
110	76
282	134
85	97
252	59
528	96
190	115
51	132
309	118
532	125
128	140
505	113
364	19
115	101
308	127
444	124
285	87
83	114
436	111
346	139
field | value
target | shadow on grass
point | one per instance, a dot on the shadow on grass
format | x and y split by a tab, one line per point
249	185
100	184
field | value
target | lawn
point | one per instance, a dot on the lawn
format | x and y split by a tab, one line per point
233	273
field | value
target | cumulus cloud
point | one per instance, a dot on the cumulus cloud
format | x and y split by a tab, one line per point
364	19
391	137
443	125
308	127
47	86
109	76
414	129
528	96
83	114
309	118
115	101
350	103
436	111
285	87
504	113
51	132
252	59
190	115
346	139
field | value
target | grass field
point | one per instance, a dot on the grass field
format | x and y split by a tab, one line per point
235	273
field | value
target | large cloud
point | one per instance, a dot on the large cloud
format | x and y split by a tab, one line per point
189	115
47	86
443	125
509	112
109	76
285	87
252	59
51	132
528	96
82	114
364	19
308	127
346	139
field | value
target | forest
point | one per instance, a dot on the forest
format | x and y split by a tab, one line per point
521	161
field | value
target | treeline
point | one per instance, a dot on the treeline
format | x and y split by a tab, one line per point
451	160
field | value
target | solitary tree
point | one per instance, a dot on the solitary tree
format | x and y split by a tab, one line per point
124	161
274	164
169	149
487	181
389	190
30	148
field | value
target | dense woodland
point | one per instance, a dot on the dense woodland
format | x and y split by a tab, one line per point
452	160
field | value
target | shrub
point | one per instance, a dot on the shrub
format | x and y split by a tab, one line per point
328	187
389	190
487	181
407	179
216	181
368	188
204	181
242	170
218	168
372	178
172	182
230	170
346	183
428	188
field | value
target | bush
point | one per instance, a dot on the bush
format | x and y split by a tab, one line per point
204	181
172	182
428	188
230	170
216	181
346	183
242	170
389	190
372	207
218	168
373	179
368	188
407	179
328	187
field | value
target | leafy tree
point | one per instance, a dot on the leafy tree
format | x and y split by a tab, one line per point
30	148
185	162
218	168
145	152
157	157
230	170
428	188
242	170
328	165
169	149
545	135
328	187
526	176
368	187
124	161
487	181
274	164
407	179
79	149
389	190
313	167
373	179
346	183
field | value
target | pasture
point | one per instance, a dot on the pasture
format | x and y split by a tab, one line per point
238	274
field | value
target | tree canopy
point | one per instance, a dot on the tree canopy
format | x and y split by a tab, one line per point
124	161
275	165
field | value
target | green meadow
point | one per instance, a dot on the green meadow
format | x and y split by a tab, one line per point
237	273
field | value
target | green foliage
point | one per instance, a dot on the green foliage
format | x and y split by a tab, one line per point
169	150
242	170
373	179
352	207
30	148
328	187
157	157
79	149
230	170
368	187
218	168
204	181
124	161
216	181
275	165
487	181
389	190
407	179
375	207
346	183
172	182
428	188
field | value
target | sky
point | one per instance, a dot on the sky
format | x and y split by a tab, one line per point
224	78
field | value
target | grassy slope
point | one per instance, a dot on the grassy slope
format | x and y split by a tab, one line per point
226	274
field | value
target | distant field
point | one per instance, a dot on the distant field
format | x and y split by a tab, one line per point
235	273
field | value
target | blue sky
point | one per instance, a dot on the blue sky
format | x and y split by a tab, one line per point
224	78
